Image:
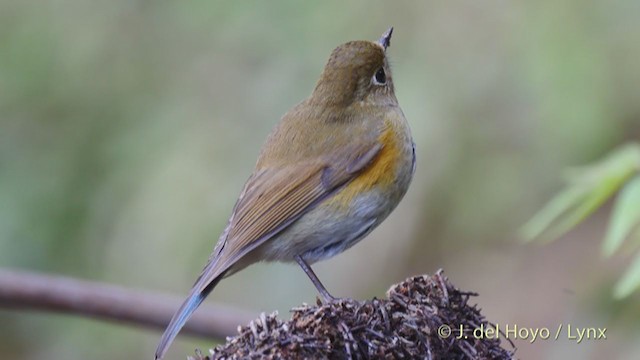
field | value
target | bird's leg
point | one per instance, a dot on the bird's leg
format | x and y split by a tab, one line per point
314	279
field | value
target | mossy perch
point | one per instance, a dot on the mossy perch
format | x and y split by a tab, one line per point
403	326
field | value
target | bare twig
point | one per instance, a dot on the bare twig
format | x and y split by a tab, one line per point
22	290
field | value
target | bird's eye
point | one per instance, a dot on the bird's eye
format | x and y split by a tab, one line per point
380	78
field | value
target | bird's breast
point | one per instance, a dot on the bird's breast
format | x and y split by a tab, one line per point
390	172
352	212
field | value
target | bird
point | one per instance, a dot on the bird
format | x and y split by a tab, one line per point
331	170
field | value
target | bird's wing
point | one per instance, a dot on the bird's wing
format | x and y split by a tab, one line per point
275	197
272	199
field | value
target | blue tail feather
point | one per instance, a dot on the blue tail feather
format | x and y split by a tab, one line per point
177	322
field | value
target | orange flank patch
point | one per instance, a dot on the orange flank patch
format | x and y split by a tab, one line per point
381	172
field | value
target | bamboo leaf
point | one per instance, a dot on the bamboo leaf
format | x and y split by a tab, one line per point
592	186
560	204
586	207
630	281
625	216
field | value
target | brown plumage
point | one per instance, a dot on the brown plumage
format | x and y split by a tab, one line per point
333	168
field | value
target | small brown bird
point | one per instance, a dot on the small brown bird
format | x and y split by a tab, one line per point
333	169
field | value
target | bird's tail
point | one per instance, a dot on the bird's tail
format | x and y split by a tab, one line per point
183	314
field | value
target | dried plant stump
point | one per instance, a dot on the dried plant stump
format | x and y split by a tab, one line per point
407	325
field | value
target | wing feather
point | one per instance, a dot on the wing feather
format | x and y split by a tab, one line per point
275	197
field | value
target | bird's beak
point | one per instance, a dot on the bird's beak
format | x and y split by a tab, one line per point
385	40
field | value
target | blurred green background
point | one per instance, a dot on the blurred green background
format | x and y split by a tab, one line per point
127	129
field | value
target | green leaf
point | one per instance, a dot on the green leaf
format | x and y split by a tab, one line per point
630	282
625	216
592	186
588	205
622	162
560	204
589	187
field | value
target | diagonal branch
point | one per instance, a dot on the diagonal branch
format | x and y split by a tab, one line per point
23	290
